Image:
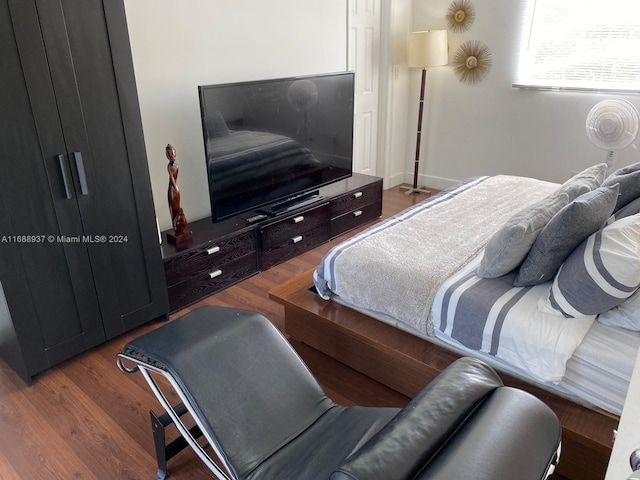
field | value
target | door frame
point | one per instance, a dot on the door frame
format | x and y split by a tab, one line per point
383	133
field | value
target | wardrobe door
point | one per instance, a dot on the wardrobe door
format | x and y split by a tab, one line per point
90	60
51	310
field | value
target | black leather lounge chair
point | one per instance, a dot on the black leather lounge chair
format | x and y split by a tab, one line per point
263	414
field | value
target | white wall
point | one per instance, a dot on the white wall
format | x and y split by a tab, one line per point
489	127
393	147
482	129
178	45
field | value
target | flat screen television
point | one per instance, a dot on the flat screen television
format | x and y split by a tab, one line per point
272	143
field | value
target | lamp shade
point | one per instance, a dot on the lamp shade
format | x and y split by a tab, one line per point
428	48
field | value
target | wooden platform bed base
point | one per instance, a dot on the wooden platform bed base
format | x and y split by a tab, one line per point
407	363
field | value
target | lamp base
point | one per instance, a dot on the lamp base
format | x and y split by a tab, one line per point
410	190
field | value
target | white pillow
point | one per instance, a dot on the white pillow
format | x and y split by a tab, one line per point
598	275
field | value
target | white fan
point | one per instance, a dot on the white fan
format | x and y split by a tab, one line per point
612	125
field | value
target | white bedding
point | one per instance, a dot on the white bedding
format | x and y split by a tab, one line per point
600	369
579	357
597	375
507	324
396	266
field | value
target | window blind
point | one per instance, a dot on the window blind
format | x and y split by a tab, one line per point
582	44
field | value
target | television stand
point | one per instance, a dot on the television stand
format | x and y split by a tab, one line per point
224	253
293	203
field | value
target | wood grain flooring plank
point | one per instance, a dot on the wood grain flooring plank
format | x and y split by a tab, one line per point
36	449
93	434
6	469
101	382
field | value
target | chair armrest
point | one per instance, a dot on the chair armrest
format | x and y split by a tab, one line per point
511	435
416	434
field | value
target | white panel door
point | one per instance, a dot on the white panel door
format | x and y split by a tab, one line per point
364	55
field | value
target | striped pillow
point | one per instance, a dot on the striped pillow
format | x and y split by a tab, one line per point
600	274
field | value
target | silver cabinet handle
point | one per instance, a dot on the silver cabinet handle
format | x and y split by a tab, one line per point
215	274
82	176
357	213
297	239
298	219
212	250
357	195
65	178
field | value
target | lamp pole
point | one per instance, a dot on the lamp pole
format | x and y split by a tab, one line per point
426	49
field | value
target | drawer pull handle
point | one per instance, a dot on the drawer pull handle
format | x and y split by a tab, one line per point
357	195
215	274
298	219
357	213
297	239
212	250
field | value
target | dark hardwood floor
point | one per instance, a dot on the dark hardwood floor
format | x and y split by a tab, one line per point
84	419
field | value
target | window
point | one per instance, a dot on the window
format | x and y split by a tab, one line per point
581	44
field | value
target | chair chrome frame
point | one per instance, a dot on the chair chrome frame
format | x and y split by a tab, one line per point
146	369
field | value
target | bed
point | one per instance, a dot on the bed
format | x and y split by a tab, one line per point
399	317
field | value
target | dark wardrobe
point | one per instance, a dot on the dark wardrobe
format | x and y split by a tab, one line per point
79	256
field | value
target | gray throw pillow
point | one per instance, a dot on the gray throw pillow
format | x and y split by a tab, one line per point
629	180
630	208
587	180
509	246
565	231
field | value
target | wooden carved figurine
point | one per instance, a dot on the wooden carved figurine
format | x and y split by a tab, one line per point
178	218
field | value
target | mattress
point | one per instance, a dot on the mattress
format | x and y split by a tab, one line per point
600	369
597	375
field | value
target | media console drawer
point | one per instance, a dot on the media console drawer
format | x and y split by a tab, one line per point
289	236
352	209
356	199
207	256
212	280
355	218
284	229
203	268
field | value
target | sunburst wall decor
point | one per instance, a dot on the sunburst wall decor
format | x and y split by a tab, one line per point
472	61
460	15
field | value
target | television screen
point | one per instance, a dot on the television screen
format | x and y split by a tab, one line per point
270	141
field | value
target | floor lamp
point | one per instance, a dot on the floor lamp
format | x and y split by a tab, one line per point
426	49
